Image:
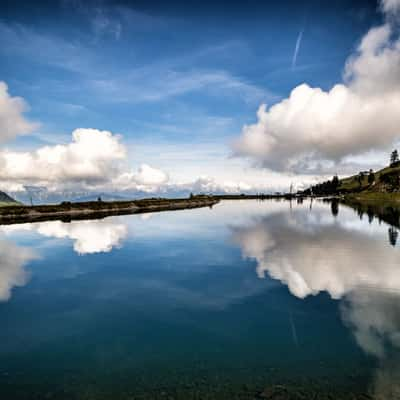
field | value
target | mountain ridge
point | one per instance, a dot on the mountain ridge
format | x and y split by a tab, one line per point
5	199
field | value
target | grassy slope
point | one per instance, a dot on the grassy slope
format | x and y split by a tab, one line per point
8	204
373	192
374	197
351	183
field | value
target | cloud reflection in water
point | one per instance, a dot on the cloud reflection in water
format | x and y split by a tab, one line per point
12	262
91	236
311	252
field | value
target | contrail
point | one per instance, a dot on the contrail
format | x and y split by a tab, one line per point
293	327
297	48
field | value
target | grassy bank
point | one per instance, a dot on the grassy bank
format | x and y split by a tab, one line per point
8	204
374	197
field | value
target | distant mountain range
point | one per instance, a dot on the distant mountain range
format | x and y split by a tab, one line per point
33	194
102	196
41	195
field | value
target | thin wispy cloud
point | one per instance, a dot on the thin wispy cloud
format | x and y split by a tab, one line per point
112	20
55	51
147	82
297	48
157	84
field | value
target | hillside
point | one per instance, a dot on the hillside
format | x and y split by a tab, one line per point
368	183
386	180
6	200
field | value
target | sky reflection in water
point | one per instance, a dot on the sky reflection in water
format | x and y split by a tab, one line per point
228	288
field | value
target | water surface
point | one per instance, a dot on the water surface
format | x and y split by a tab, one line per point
246	300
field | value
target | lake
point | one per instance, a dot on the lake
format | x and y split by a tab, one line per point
247	300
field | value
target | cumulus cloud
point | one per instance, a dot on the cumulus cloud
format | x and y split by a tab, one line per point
147	178
154	180
93	159
12	120
311	126
12	262
90	157
150	176
96	161
208	184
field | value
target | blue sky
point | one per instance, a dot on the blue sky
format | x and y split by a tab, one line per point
177	80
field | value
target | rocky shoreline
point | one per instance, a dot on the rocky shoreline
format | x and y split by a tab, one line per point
67	211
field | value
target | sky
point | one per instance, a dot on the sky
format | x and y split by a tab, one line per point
158	96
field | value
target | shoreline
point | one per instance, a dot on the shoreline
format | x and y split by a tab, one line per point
69	211
66	211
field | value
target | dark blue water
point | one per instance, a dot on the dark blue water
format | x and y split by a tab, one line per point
243	301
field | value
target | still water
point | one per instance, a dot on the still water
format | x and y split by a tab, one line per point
246	300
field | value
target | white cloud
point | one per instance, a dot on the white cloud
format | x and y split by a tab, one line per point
312	125
148	179
12	273
150	176
12	120
208	184
90	157
375	69
97	161
154	180
390	6
94	159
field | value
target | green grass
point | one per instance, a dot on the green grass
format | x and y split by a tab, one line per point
352	183
8	204
375	196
